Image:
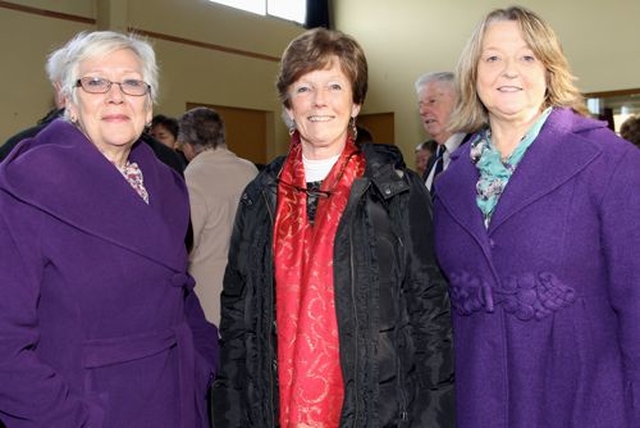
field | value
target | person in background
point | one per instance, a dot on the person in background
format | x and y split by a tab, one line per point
423	153
630	130
52	67
99	325
537	231
436	98
215	179
31	131
334	313
165	129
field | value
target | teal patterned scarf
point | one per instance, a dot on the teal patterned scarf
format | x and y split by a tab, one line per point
495	172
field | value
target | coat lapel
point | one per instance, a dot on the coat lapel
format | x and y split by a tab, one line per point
62	173
557	155
456	192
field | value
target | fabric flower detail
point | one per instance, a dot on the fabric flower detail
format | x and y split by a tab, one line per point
528	296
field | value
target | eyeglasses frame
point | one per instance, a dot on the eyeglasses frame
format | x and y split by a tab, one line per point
79	84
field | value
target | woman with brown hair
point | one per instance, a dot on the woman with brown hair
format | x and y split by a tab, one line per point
334	313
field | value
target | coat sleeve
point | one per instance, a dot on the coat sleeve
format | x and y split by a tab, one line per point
620	214
430	315
229	407
32	394
205	334
205	339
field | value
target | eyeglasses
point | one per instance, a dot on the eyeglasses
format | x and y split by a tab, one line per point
98	85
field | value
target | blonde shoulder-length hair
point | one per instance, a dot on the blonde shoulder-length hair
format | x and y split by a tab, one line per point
470	115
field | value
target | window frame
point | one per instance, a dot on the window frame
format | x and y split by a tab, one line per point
266	13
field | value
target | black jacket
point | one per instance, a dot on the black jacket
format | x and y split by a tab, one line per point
391	302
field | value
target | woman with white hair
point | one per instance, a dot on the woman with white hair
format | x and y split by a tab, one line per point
99	326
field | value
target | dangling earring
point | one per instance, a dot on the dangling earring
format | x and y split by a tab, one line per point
292	131
354	128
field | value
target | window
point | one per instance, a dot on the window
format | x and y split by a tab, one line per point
292	10
614	106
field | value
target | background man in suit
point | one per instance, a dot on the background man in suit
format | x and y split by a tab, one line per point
436	99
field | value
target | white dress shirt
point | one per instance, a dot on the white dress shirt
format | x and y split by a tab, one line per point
452	143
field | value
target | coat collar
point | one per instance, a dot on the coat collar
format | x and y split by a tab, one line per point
61	173
559	153
384	166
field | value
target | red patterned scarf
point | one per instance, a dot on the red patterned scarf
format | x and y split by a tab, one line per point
311	385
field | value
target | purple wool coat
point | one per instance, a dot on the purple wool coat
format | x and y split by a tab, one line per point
99	326
547	300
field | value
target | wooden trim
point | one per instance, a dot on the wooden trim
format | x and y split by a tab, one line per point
153	34
47	13
205	45
607	94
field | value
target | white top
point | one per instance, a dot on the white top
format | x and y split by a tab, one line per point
318	169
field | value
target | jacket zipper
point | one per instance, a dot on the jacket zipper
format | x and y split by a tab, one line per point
404	416
272	364
356	322
355	311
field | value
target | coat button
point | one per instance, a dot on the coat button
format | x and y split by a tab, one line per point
492	243
179	280
183	280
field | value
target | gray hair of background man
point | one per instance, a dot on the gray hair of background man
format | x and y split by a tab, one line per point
63	65
440	76
54	66
202	128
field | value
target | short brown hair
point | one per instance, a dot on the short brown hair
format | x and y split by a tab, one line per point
470	115
313	50
630	130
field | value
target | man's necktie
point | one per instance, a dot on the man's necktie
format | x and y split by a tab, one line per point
438	165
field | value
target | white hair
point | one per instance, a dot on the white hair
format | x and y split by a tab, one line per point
440	76
63	64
